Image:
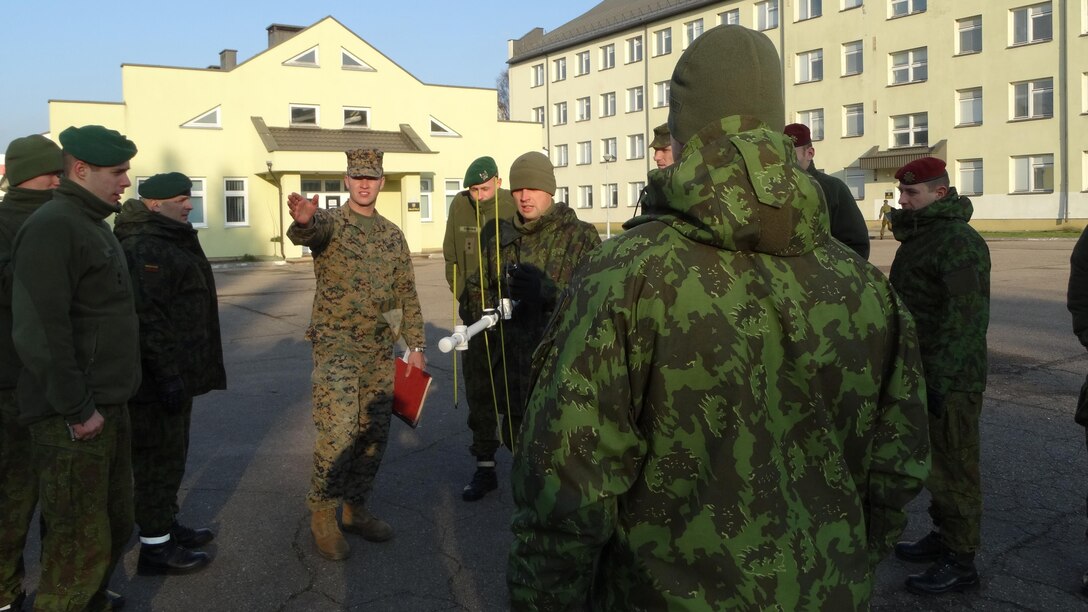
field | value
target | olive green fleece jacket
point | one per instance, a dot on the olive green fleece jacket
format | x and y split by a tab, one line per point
74	319
461	246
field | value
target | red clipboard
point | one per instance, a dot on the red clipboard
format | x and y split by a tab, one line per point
409	392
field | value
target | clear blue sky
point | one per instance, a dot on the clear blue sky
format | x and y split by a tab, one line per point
70	50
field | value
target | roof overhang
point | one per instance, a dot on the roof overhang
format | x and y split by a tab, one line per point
893	159
318	140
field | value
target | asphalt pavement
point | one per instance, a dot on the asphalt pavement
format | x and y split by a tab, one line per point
251	454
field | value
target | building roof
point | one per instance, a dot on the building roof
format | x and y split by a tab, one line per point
891	159
314	139
608	17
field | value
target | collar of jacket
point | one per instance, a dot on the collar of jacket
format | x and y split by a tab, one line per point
93	206
20	198
951	208
558	212
136	218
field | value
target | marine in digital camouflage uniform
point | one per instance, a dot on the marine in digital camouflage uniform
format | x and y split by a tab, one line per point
539	251
1077	302
365	299
471	210
942	273
182	358
727	411
34	164
76	331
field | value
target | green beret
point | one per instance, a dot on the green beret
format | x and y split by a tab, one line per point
166	186
480	171
661	140
30	157
533	170
97	145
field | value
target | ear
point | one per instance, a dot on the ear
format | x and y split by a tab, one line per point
941	192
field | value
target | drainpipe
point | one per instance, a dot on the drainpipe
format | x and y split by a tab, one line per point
1063	114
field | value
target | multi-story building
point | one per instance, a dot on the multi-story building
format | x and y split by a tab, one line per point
997	88
250	133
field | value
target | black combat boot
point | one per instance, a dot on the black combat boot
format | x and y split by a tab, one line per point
14	606
190	538
951	572
169	558
483	481
926	550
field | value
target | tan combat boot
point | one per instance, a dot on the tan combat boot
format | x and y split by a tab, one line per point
360	522
327	537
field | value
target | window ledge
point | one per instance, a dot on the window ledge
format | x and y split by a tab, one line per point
967	53
852	135
912	13
850	8
1029	43
907	83
967	125
849	74
1026	119
1042	192
809	18
807	82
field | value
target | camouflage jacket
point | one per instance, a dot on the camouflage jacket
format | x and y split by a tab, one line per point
366	286
462	244
1077	296
847	223
556	243
942	273
175	300
73	315
18	204
727	410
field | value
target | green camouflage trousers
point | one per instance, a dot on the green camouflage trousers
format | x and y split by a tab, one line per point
352	408
160	446
955	481
18	497
86	503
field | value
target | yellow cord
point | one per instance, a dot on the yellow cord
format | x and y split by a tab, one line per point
453	324
502	327
483	305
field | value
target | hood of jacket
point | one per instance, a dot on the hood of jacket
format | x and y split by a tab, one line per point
908	223
736	186
135	219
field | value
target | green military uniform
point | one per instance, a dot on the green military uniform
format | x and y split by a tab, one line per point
180	347
18	486
942	273
552	245
847	223
76	331
1077	302
365	288
727	410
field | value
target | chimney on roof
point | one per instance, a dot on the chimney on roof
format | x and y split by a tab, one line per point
278	33
228	59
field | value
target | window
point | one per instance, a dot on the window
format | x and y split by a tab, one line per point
560	156
453	187
634	99
538	75
608	57
611	194
810	66
853	120
1033	174
559	69
441	129
634	49
969	106
970	177
910	130
236	198
663	42
849	4
852	58
907	7
585	153
661	94
585	196
855	179
636	146
692	30
909	66
356	117
426	188
308	58
728	18
583	108
560	113
562	194
969	35
766	15
814	119
209	119
583	63
1031	24
608	104
1033	99
304	115
350	62
634	192
608	150
538	114
809	9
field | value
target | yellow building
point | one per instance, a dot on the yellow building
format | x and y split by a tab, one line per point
997	88
251	133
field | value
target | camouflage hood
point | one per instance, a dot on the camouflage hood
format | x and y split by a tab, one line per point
736	186
953	207
135	219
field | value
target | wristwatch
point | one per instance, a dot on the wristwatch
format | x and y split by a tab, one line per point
418	349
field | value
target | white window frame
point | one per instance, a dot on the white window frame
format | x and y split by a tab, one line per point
809	9
610	195
314	107
608	56
585	109
349	61
662	42
536	75
850	4
609	149
636	99
562	194
582	63
814	119
236	193
560	156
538	115
443	130
364	110
853	120
1028	171
426	192
969	108
559	69
315	63
855	180
1032	95
810	66
585	196
636	146
969	30
730	17
766	15
911	126
661	93
452	187
199	122
1025	21
902	8
908	66
585	153
199	190
969	176
634	192
853	50
634	49
560	113
608	104
692	29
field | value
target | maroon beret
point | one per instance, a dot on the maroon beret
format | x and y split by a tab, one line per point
799	133
921	170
